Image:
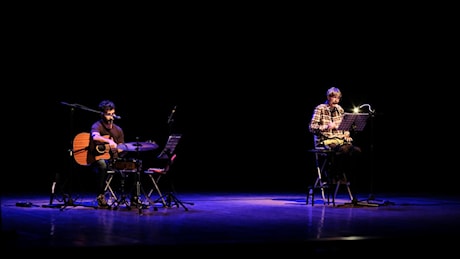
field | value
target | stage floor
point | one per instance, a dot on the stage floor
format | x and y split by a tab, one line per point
232	225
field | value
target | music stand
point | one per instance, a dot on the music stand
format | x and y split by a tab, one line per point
353	122
169	199
168	150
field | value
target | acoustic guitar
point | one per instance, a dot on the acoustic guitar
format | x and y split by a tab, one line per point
85	153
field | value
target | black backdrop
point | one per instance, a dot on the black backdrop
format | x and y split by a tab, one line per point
243	101
236	136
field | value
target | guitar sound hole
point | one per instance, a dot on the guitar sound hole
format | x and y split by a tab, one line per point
101	148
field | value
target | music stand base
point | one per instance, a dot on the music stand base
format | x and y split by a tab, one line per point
171	200
370	202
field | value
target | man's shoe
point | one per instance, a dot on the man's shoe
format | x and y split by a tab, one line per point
134	202
101	201
137	203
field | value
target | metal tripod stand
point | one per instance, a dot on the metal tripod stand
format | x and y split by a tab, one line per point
169	199
371	201
134	199
67	198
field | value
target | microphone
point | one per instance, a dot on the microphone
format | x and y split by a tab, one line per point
113	116
334	109
170	118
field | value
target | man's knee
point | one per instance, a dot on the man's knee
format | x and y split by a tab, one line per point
348	149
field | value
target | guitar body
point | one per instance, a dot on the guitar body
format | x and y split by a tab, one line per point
86	153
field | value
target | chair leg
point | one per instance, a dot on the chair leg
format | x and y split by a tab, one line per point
349	191
323	186
157	189
342	182
345	179
310	193
109	189
335	192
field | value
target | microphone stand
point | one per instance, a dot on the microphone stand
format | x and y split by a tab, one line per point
167	153
67	197
171	119
371	200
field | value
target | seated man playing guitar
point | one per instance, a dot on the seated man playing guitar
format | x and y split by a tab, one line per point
105	136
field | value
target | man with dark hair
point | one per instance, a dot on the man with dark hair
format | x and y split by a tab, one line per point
105	136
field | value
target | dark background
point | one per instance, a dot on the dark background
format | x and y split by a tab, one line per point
244	97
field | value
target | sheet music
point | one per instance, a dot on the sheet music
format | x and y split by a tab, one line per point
353	121
170	146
